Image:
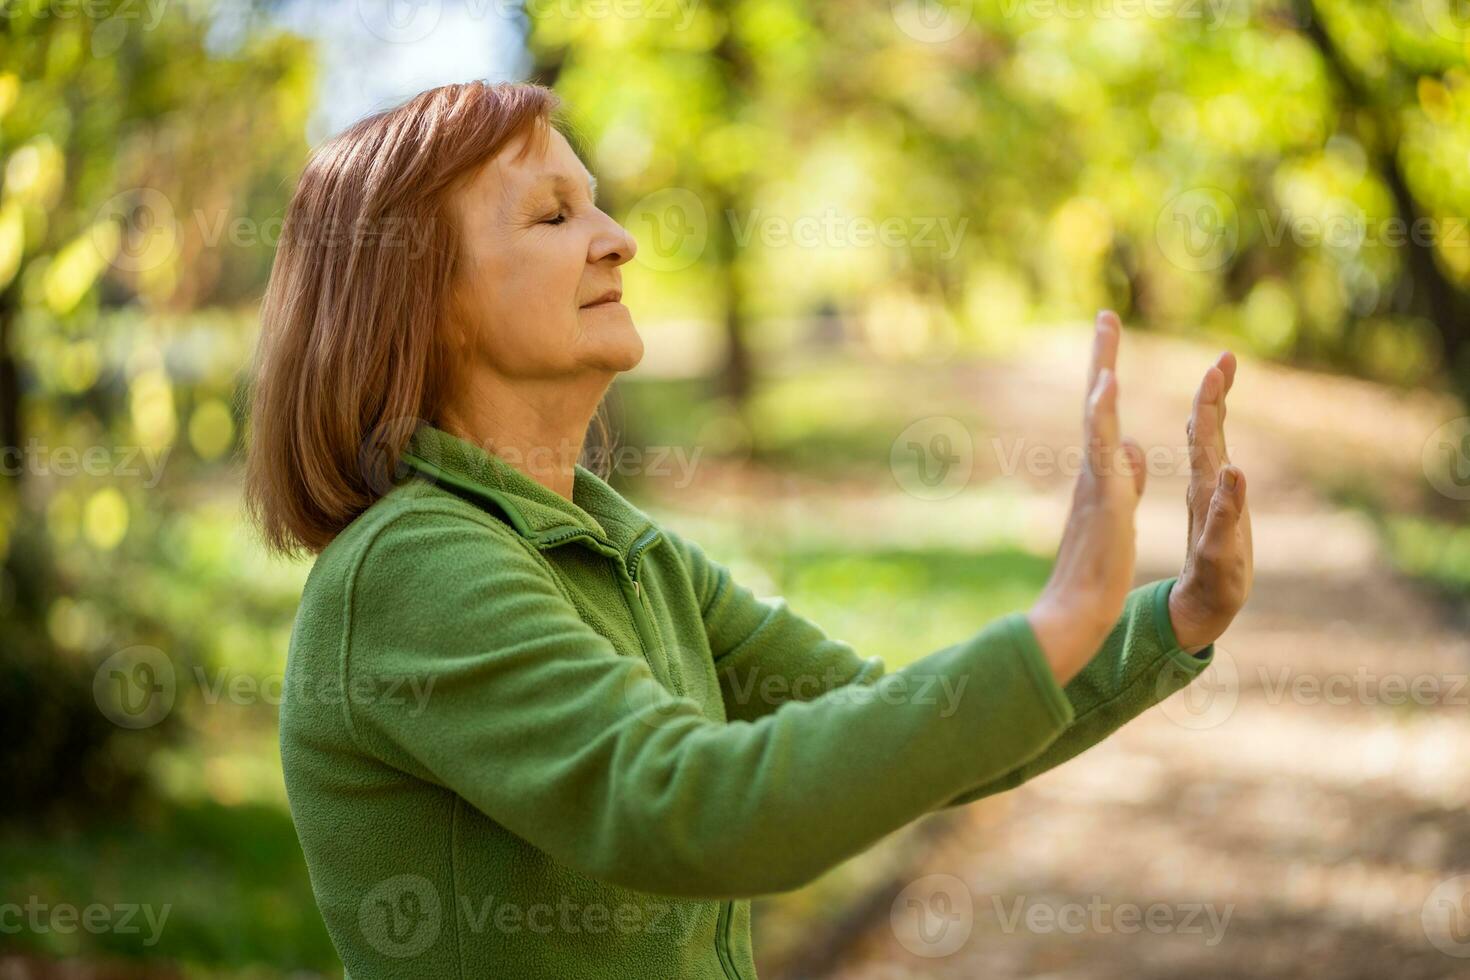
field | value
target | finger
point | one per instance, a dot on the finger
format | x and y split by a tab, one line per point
1133	455
1102	428
1206	435
1227	364
1226	506
1107	331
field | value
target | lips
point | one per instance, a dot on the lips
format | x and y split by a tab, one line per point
611	296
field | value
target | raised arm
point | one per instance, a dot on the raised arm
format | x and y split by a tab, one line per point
1166	633
1139	665
535	719
767	654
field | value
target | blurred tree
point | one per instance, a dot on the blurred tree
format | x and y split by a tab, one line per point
1238	167
138	157
1412	78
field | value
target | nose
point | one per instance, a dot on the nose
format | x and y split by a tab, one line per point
613	243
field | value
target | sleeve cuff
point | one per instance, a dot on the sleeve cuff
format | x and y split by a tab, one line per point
1042	679
1195	662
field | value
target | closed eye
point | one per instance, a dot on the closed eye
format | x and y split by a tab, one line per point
556	219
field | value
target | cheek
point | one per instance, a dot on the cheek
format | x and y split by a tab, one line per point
561	265
543	270
524	297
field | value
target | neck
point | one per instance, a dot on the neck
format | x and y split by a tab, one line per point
537	425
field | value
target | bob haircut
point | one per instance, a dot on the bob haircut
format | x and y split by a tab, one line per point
354	350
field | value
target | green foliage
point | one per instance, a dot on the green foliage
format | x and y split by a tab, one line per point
1252	169
131	148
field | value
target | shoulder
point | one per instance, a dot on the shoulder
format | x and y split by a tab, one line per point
431	541
693	563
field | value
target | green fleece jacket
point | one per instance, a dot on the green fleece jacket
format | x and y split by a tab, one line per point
526	737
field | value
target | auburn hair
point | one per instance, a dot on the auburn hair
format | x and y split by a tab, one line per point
353	350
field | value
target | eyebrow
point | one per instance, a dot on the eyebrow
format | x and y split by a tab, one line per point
561	180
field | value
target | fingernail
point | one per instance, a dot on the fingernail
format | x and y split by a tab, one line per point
1230	478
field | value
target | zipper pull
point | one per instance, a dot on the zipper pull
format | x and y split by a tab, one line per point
637	588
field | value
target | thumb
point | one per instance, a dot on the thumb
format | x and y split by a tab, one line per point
1225	509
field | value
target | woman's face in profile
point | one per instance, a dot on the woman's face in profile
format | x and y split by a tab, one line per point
539	283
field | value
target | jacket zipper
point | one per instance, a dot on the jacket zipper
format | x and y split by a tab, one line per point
726	917
722	940
724	922
640	610
635	553
629	567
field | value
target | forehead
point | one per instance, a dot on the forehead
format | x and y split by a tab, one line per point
538	162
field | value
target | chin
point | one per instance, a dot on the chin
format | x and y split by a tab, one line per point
632	352
619	349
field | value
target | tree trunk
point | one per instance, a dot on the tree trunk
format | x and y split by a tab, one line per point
1431	293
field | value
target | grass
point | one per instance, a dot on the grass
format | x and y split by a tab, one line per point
903	604
1429	542
227	885
1432	550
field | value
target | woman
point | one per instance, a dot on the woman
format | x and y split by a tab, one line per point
528	732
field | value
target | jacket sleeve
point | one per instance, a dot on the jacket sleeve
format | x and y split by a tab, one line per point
765	653
1140	663
535	719
754	640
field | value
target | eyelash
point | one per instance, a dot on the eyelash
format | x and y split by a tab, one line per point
559	219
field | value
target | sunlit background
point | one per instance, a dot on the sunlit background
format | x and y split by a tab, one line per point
871	238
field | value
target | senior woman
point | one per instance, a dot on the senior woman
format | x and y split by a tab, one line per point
527	731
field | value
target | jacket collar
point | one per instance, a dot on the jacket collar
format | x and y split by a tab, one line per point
535	511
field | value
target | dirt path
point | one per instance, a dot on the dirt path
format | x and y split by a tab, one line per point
1294	814
1304	810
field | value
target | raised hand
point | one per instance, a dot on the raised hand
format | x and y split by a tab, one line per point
1094	568
1218	563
